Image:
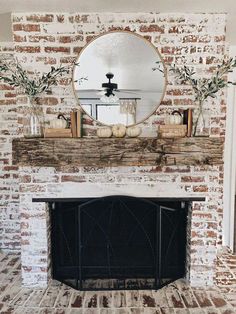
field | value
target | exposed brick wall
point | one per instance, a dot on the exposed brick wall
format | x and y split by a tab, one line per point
42	40
9	196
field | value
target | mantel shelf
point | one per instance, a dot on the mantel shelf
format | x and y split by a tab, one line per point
97	152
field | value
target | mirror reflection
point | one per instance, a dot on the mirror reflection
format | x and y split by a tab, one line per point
118	83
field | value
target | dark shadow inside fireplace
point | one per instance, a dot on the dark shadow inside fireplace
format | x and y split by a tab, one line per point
118	242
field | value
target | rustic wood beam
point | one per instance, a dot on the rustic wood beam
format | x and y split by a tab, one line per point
117	152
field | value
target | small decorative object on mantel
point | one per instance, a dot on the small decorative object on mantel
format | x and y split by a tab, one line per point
204	88
57	133
119	130
105	131
133	131
59	123
174	118
33	122
76	123
172	130
188	120
13	74
59	127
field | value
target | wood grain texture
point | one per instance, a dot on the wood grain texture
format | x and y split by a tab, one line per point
117	152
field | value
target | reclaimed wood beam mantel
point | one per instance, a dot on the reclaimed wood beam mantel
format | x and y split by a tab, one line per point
117	152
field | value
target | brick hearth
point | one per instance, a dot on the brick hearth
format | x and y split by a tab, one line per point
177	298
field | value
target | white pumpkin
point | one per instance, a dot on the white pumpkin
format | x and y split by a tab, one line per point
174	118
58	124
133	131
104	132
119	130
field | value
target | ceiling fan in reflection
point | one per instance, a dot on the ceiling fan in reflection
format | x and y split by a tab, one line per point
109	89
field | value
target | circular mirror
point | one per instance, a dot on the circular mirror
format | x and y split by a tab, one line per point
115	80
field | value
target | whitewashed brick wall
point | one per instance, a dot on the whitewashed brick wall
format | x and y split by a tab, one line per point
9	185
42	40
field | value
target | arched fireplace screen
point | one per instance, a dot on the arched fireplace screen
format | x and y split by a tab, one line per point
118	242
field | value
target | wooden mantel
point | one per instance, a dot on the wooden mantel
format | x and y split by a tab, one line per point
117	152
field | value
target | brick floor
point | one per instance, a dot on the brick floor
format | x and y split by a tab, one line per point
176	298
226	276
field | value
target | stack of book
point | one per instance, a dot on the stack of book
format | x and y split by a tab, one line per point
172	130
57	133
75	118
188	121
74	131
178	130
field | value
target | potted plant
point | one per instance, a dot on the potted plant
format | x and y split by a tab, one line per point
205	87
14	75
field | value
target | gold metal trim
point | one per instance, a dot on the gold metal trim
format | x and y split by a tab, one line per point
153	47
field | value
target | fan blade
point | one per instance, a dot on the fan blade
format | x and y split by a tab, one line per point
101	92
127	90
90	90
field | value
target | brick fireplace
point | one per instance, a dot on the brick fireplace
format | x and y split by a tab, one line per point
41	40
143	181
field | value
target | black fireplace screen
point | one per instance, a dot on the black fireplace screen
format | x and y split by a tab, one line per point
118	242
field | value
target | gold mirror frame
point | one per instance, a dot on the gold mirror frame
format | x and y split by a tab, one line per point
151	45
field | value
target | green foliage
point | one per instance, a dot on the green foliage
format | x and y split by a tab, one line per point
159	67
206	87
13	74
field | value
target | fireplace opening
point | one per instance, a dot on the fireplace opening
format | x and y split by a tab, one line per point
118	242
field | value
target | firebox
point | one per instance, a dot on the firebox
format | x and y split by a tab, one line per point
118	242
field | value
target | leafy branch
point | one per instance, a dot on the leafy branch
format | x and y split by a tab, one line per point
13	74
206	87
159	67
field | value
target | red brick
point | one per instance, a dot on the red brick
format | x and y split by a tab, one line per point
46	60
40	18
200	188
66	60
48	101
6	102
119	28
60	18
180	91
37	38
219	38
28	49
70	39
6	87
77	50
18	38
25	179
10	95
73	178
26	27
152	28
190	39
84	18
192	179
89	38
57	49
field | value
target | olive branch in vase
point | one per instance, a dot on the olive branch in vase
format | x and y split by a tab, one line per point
205	87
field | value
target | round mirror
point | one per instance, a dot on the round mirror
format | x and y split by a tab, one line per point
115	80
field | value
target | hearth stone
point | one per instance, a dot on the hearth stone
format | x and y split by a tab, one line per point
118	242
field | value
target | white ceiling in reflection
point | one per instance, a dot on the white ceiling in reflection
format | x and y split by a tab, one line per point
129	57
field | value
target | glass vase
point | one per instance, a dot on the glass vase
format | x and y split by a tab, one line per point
34	121
201	126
